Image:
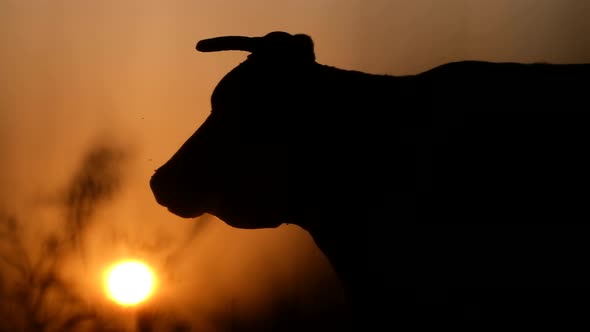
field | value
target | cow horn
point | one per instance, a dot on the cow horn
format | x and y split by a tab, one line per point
228	43
277	44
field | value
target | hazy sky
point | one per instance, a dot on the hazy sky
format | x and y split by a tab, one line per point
74	72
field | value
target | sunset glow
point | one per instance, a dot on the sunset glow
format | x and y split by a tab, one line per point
129	282
97	96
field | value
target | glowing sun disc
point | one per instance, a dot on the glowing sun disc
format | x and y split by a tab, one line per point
129	282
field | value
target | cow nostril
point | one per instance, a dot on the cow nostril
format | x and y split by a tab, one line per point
160	188
155	181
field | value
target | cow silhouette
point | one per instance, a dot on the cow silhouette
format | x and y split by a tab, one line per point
455	197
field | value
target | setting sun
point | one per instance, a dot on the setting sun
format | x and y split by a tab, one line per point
129	282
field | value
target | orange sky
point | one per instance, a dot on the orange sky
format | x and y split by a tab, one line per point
76	71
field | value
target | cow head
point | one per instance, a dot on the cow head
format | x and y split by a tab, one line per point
238	164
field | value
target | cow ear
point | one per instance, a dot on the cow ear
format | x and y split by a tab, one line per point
280	47
304	45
